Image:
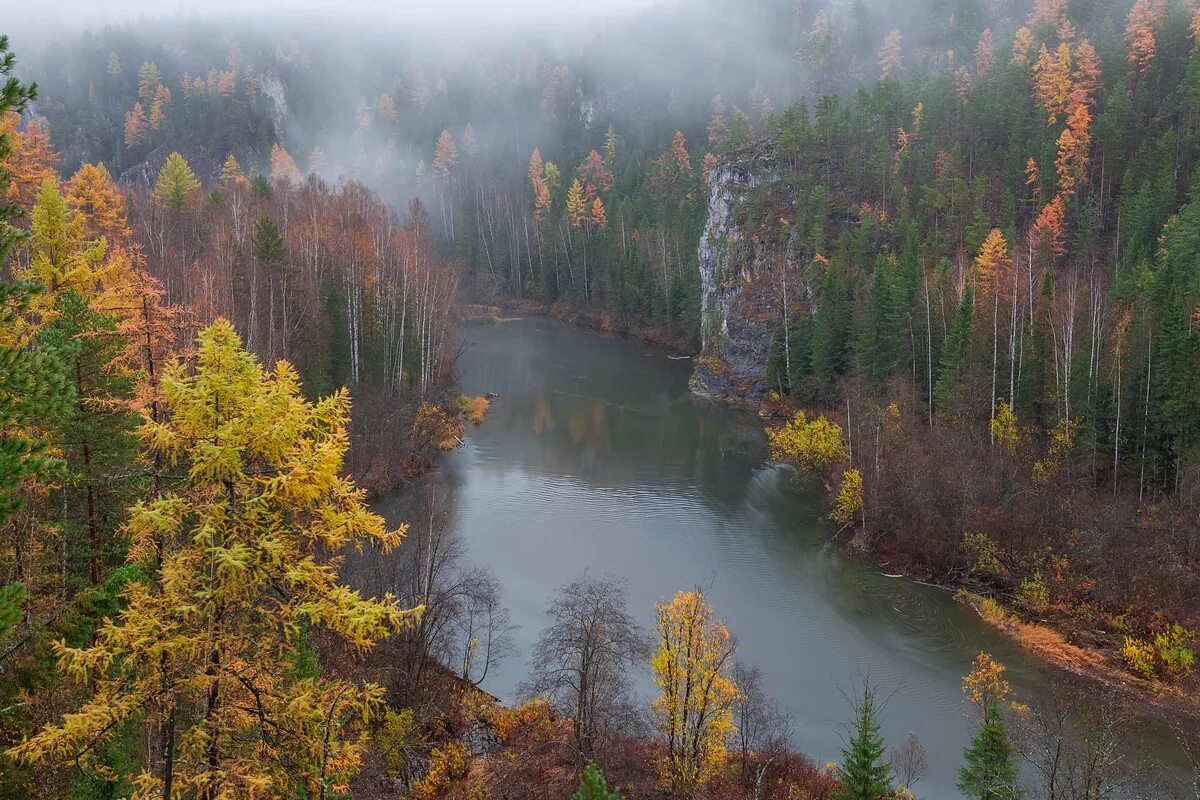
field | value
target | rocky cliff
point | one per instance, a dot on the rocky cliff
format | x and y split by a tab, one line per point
739	308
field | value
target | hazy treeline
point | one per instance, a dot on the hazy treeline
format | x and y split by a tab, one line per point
372	105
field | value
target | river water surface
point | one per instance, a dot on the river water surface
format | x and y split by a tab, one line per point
595	456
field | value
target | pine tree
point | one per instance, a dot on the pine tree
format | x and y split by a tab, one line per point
864	773
593	787
94	434
33	387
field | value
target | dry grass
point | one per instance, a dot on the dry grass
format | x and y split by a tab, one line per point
1099	665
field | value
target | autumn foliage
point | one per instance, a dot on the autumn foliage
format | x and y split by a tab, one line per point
692	669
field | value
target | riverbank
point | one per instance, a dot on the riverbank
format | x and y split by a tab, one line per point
1103	666
1065	632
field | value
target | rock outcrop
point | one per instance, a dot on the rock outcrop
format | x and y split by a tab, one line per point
738	306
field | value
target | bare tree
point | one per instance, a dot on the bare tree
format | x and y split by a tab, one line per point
1078	746
464	626
581	661
910	761
762	729
482	627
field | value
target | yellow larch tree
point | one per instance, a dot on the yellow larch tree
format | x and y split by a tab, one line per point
576	207
891	56
1022	45
231	171
176	183
993	254
1005	428
1144	18
985	686
149	78
985	53
692	668
849	501
541	191
158	109
135	124
94	195
1052	80
61	258
205	656
1047	13
1074	150
1033	181
283	166
445	155
30	161
1085	76
599	217
536	166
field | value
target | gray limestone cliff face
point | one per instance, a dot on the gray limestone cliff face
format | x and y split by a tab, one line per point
736	312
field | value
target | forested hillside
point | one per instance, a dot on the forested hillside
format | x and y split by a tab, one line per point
986	271
458	121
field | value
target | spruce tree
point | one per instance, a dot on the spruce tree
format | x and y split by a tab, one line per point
882	340
864	774
267	241
593	787
990	772
831	327
954	352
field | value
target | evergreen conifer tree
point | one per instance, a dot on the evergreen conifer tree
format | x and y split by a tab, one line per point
954	351
864	773
989	772
593	787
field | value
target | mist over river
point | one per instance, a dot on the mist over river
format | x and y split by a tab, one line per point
595	456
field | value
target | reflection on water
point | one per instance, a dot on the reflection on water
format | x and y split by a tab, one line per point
595	456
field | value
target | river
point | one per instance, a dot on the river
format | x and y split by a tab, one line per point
596	457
